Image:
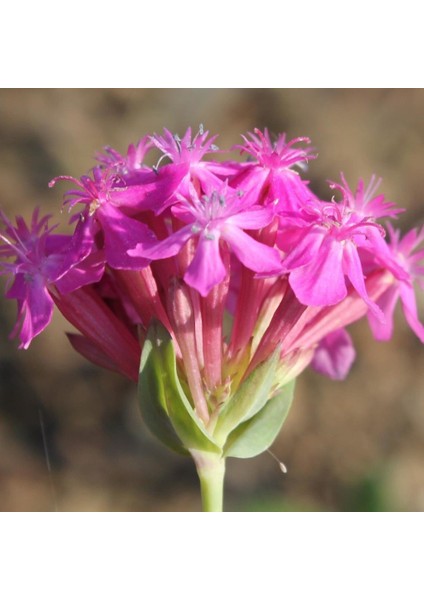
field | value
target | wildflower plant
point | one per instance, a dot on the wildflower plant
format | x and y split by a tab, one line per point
213	284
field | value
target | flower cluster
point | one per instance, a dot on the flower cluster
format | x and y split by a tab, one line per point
238	261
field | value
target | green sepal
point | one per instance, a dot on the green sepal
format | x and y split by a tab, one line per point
256	435
152	395
249	399
162	395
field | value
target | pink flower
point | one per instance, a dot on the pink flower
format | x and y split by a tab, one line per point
186	149
364	203
105	201
272	173
130	167
197	242
334	355
322	251
187	153
410	257
40	260
221	215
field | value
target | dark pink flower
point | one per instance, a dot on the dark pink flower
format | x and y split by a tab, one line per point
40	259
322	252
129	165
364	203
186	149
334	355
271	173
197	242
221	214
104	200
410	256
187	153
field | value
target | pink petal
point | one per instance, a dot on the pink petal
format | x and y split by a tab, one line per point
153	191
250	177
35	312
252	254
255	218
353	269
122	234
409	304
90	270
383	330
335	355
304	247
206	269
170	246
289	189
321	282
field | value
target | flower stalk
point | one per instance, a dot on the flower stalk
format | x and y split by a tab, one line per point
211	472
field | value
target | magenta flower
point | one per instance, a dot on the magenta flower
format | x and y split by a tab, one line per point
322	251
128	166
185	149
105	200
187	153
272	173
40	260
334	355
410	257
364	203
220	215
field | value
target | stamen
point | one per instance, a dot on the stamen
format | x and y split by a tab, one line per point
177	140
155	168
15	248
282	466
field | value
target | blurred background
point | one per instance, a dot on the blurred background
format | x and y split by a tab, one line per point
357	445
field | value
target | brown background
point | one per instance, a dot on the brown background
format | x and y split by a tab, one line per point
354	445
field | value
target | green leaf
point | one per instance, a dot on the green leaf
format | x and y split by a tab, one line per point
164	405
258	433
249	399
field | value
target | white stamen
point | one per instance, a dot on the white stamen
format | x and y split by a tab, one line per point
282	466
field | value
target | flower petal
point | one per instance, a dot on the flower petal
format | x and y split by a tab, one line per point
206	269
321	282
121	234
90	270
254	218
409	305
34	312
289	189
152	191
170	246
251	253
383	330
335	355
353	269
305	243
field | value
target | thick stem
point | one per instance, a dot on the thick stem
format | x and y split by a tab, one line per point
211	471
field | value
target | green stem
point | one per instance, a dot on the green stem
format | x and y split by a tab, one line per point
211	471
